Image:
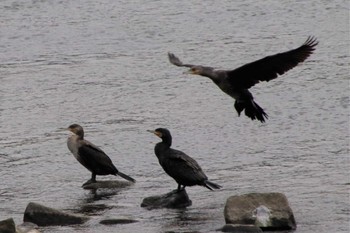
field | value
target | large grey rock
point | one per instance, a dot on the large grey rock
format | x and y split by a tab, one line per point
108	184
173	199
237	228
7	226
269	211
45	216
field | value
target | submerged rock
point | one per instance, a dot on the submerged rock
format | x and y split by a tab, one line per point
45	216
27	227
7	226
269	211
108	184
173	199
122	220
237	228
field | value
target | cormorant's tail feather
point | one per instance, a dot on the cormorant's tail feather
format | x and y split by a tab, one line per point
252	110
210	185
126	177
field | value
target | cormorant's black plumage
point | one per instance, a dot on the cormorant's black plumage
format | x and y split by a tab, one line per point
236	82
181	167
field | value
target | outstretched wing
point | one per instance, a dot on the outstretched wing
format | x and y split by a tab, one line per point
176	61
270	67
94	159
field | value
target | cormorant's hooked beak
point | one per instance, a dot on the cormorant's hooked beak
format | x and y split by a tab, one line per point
69	129
64	129
159	134
192	71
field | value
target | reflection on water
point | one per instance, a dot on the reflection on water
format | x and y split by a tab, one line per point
103	64
93	209
93	202
96	195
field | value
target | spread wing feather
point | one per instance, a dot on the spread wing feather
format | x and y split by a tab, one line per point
270	67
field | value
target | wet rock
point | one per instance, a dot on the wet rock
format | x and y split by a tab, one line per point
27	227
122	220
269	211
173	199
109	184
7	226
45	216
237	228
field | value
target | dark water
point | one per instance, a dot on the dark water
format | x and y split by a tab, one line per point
103	64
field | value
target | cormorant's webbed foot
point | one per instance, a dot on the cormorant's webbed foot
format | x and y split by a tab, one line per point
92	180
89	182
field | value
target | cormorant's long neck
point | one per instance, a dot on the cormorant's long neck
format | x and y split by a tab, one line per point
162	146
76	137
210	73
72	143
167	140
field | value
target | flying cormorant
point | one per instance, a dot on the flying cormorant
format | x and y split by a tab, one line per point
90	156
236	82
181	167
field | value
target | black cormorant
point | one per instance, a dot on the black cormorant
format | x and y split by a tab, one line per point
236	82
90	156
181	167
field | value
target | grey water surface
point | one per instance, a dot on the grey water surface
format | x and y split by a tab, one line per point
103	64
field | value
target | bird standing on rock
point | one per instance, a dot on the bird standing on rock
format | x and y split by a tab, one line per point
90	156
181	167
236	82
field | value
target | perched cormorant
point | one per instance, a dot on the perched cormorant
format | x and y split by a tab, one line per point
90	156
236	82
181	167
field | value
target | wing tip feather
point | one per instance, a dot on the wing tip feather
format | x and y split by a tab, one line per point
311	42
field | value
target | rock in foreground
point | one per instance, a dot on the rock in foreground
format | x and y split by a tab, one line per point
173	199
108	184
7	226
269	211
45	216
